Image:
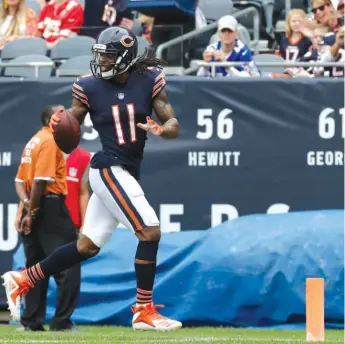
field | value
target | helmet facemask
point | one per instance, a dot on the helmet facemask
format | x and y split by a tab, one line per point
107	63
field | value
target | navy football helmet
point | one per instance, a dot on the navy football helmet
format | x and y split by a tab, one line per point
114	53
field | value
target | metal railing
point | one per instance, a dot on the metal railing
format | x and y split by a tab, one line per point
285	64
212	65
195	33
35	65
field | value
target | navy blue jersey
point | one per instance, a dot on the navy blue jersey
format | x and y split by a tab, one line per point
329	40
313	56
292	51
115	109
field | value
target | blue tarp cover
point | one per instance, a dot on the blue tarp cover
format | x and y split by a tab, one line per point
246	272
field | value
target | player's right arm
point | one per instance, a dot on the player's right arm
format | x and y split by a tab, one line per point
79	110
80	105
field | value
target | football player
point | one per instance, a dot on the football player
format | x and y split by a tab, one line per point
119	95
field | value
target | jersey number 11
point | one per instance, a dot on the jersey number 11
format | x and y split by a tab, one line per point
118	125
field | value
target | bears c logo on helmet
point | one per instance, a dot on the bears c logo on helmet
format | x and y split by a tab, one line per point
127	41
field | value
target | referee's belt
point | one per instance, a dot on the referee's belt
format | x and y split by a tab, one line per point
52	195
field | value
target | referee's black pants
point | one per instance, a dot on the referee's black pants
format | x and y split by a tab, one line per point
51	229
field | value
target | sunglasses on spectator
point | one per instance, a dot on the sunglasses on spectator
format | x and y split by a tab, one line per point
226	30
320	8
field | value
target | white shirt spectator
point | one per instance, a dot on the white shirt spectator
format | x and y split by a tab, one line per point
229	48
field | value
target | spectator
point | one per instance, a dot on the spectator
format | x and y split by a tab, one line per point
99	14
268	8
324	13
60	19
229	48
16	21
335	52
147	22
294	44
314	54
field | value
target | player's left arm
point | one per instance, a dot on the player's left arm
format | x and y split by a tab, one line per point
165	113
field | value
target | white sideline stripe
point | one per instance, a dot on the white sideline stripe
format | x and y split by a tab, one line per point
133	340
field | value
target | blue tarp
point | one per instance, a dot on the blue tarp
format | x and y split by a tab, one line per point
246	272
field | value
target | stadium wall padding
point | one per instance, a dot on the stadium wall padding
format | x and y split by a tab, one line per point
246	272
246	146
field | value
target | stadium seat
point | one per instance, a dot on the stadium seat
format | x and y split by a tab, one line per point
174	70
75	66
72	47
33	4
269	58
215	9
143	44
28	71
24	46
280	26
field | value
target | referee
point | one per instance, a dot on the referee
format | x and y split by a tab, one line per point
45	225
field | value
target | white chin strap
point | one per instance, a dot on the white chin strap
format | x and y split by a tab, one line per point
110	74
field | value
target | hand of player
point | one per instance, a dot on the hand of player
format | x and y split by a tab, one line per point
26	224
151	126
55	119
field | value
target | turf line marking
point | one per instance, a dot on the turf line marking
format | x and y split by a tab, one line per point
163	340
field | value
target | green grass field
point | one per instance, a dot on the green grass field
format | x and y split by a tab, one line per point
115	335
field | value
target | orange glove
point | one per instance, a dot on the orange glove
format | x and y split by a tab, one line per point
151	126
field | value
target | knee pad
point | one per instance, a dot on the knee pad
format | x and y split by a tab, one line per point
147	250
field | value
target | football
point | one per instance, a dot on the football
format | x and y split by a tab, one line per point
67	133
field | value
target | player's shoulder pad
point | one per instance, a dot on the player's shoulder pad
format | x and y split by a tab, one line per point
85	81
81	88
154	72
158	78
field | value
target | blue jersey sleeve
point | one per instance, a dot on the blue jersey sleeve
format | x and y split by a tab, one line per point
79	91
158	81
329	39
